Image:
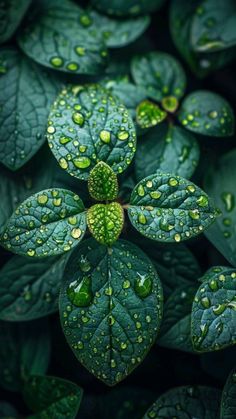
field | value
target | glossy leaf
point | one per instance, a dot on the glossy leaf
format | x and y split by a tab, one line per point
102	182
126	7
148	114
160	74
52	397
186	402
76	47
11	14
29	288
24	350
117	304
214	311
170	208
105	222
26	93
207	113
220	184
87	125
228	401
48	223
167	148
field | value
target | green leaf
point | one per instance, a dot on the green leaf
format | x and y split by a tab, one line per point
207	113
105	221
214	26
7	411
127	7
102	183
123	297
148	114
63	37
48	223
160	74
214	311
220	184
24	350
228	400
52	397
186	402
170	208
87	125
11	14
171	147
29	288
26	95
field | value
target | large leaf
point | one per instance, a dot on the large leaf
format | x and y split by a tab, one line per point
214	311
186	402
127	7
207	113
87	125
105	221
228	401
11	14
166	148
48	223
52	397
170	208
160	74
102	183
62	36
220	184
24	350
29	288
110	311
26	93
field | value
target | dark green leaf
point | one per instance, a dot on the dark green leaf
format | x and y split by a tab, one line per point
148	114
207	113
167	148
63	37
228	401
7	411
24	350
170	208
110	311
214	311
48	223
102	182
186	402
11	14
105	221
29	288
220	184
87	125
26	95
52	397
127	7
160	74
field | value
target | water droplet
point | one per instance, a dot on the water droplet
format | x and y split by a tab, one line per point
177	237
51	129
141	191
155	194
79	292
82	162
213	114
126	284
205	302
72	66
80	51
84	264
213	285
78	118
64	140
63	163
173	182
30	252
194	214
105	136
109	291
228	199
123	135
219	309
57	61
76	233
202	201
85	20
143	285
191	188
42	199
142	219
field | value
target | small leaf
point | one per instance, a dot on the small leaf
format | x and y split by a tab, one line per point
214	311
102	183
186	402
160	74
167	148
48	223
87	125
228	401
113	333
76	47
105	221
148	114
11	14
207	113
127	7
52	397
170	208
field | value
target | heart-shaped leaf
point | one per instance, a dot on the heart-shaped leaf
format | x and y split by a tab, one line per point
48	223
11	14
102	182
75	47
160	74
148	114
170	208
110	311
87	125
105	221
167	148
228	400
52	397
207	113
26	93
126	7
214	311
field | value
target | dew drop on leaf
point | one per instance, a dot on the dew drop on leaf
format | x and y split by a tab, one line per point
80	292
